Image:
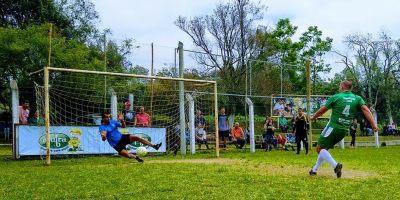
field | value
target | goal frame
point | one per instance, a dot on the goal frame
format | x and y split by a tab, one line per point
47	71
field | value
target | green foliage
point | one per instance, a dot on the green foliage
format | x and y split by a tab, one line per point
76	43
279	48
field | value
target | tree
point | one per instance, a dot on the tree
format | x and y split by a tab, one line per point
314	48
277	47
77	43
82	18
22	13
372	68
76	19
227	38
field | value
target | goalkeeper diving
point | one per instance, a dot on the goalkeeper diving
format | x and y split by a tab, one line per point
109	131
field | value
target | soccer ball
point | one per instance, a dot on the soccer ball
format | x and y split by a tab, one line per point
141	151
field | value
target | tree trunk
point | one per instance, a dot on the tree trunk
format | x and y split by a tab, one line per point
389	110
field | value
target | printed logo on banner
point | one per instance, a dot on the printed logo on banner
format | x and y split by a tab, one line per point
75	143
62	142
136	144
58	141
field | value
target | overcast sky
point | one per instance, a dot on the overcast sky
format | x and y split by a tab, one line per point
153	21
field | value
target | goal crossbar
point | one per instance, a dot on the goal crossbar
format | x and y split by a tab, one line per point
129	75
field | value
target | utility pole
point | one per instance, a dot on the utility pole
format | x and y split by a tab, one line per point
105	69
308	82
182	120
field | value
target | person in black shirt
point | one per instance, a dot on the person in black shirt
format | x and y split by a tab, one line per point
353	131
301	128
268	136
128	114
293	124
362	123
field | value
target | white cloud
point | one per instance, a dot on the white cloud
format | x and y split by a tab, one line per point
152	21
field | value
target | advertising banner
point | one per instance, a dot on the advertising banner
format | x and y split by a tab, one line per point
80	140
288	105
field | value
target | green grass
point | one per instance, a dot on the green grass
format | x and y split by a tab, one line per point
368	173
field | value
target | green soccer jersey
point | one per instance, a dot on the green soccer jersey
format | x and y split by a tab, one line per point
344	108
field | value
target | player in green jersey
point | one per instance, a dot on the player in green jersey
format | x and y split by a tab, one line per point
344	107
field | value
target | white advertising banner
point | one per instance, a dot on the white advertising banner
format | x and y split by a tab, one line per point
81	140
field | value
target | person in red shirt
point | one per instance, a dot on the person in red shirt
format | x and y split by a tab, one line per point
283	142
24	113
238	136
142	119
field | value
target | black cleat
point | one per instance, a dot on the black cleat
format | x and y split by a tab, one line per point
157	146
139	159
312	173
338	170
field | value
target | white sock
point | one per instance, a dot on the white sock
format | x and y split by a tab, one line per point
325	155
318	163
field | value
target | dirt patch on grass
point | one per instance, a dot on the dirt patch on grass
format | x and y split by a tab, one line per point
293	170
347	173
272	169
199	161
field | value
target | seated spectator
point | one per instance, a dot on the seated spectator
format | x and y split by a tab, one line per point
128	113
391	129
201	135
283	124
36	120
238	136
283	142
270	140
368	129
385	129
142	119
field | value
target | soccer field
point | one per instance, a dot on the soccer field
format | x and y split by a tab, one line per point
368	173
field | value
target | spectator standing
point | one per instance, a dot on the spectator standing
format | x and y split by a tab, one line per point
268	136
128	114
24	113
142	119
36	120
353	131
199	119
223	127
301	128
362	128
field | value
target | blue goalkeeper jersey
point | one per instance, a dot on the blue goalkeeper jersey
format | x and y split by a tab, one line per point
113	134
